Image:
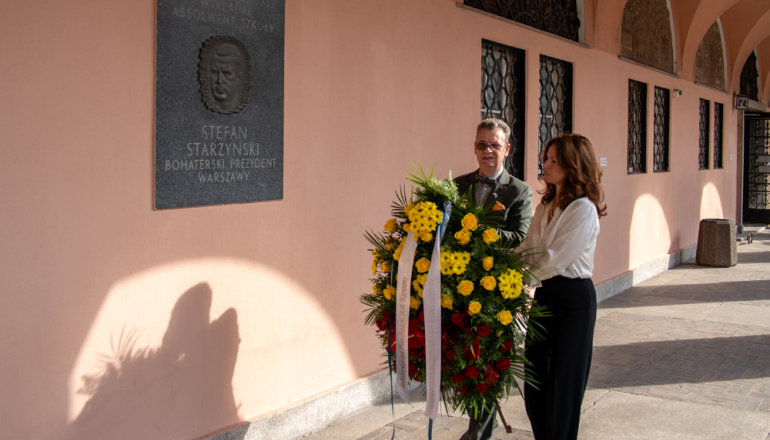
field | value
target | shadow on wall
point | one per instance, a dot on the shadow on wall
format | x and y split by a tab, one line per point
148	393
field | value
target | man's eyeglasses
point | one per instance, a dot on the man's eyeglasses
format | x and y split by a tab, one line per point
481	146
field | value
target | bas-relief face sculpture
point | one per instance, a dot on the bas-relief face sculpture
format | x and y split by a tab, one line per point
224	73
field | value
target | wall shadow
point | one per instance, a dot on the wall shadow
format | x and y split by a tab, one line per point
681	361
182	389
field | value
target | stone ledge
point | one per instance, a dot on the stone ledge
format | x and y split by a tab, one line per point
315	413
613	286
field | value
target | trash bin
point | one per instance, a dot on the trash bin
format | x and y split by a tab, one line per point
716	243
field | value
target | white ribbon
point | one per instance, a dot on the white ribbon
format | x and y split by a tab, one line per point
403	303
431	297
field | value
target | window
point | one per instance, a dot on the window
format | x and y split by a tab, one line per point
637	127
703	152
555	101
556	17
660	130
502	96
718	111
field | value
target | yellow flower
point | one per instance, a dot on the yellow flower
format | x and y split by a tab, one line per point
446	301
391	245
375	289
391	225
415	303
389	292
465	287
385	266
470	222
505	317
417	287
487	262
463	236
408	208
490	236
474	307
425	216
397	252
425	236
422	278
489	282
422	265
374	266
510	284
407	227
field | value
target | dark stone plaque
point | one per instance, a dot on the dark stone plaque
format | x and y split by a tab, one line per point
219	102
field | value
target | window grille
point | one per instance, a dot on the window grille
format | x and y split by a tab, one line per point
637	127
757	162
750	78
502	96
555	102
558	17
703	152
718	111
661	130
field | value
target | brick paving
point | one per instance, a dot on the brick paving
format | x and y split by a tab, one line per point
693	336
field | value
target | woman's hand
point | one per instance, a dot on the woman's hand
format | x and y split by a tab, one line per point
529	291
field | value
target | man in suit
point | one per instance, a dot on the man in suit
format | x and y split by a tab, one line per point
512	199
491	184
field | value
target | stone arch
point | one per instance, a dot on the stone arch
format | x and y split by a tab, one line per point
695	24
647	35
710	60
758	32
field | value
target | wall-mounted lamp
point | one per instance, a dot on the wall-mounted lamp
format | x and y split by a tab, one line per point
677	93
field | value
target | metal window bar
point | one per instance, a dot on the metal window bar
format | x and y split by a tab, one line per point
558	17
703	150
555	114
661	130
718	119
637	127
502	96
758	164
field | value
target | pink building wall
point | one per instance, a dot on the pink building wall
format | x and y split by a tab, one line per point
119	321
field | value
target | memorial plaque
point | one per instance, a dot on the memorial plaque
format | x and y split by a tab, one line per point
219	102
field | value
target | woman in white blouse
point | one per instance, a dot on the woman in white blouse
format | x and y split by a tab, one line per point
562	238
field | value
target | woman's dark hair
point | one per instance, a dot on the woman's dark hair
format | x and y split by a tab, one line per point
576	156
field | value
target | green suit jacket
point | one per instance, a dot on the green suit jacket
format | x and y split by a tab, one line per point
512	193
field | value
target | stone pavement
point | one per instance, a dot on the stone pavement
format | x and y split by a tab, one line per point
683	355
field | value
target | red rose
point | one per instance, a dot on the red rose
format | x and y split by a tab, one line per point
503	364
421	316
412	369
449	354
457	318
381	324
471	372
385	315
458	378
463	389
482	331
507	345
481	388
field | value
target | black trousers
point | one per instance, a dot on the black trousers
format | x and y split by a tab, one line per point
481	427
562	361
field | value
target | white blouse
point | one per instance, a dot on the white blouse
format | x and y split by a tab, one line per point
566	245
